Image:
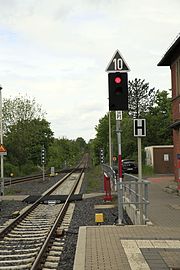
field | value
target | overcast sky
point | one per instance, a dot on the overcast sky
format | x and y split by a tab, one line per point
57	51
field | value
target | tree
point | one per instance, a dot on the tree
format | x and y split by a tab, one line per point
25	131
58	153
129	142
157	112
24	141
159	118
101	140
20	109
81	145
66	153
141	97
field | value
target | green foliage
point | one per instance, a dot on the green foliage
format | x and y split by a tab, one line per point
11	191
10	168
101	140
94	179
159	118
92	151
25	139
147	171
66	153
26	131
20	109
141	98
129	142
81	144
155	108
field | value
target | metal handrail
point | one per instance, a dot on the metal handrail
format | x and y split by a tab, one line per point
131	190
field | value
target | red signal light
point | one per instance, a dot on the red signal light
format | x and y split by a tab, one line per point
117	80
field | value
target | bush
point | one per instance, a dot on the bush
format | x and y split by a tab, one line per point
147	170
10	168
28	168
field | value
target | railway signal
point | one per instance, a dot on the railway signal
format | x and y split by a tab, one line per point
43	155
43	160
102	155
118	91
118	101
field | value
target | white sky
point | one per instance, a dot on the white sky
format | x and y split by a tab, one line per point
56	51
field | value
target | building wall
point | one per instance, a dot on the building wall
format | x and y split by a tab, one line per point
176	139
163	160
160	158
175	78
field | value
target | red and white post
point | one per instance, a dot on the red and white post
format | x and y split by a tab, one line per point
107	188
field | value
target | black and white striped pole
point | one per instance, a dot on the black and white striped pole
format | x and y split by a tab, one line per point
101	156
43	153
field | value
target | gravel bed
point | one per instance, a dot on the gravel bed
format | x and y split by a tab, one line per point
84	214
35	187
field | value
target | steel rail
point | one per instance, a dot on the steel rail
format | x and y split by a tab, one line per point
23	179
37	263
47	241
32	207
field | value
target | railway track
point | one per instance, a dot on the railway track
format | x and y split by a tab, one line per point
35	239
12	181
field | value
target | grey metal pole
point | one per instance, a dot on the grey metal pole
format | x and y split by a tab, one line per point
1	141
110	149
146	200
43	170
140	180
119	182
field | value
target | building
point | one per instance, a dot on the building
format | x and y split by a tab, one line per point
160	158
172	59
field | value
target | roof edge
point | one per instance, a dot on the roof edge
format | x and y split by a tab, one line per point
166	59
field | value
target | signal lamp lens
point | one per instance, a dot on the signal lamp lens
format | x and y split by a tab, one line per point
118	90
117	80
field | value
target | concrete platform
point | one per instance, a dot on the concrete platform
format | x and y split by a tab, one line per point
136	247
14	197
128	248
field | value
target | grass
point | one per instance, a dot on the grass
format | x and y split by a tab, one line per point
94	179
147	171
11	191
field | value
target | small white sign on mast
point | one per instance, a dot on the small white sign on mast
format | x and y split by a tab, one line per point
118	115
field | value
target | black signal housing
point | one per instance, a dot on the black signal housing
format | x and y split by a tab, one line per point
118	91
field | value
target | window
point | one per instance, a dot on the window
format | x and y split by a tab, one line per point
166	157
